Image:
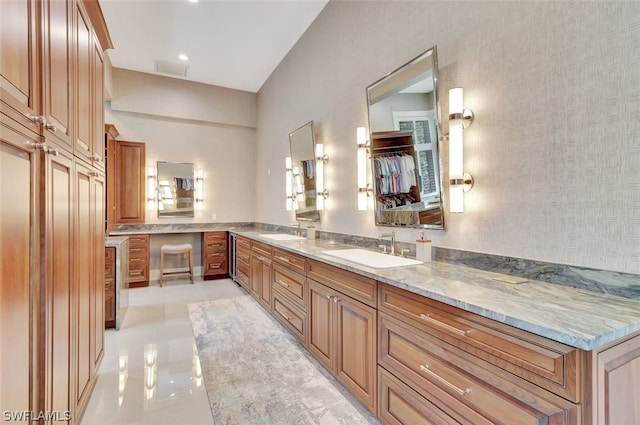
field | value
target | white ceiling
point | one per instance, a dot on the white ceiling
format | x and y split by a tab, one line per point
230	43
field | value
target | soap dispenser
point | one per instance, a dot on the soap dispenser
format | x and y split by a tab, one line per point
423	249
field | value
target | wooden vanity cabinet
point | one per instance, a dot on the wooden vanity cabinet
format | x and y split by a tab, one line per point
215	257
342	329
138	261
261	273
479	371
243	262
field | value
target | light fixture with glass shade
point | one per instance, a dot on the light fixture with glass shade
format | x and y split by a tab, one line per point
199	189
364	188
459	119
322	193
151	188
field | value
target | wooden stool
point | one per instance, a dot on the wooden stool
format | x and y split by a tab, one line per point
177	250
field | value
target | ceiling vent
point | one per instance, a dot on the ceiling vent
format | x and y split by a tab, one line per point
171	68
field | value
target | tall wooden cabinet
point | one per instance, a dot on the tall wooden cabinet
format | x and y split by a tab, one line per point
52	206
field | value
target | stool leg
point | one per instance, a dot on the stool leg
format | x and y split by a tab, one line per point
191	267
161	267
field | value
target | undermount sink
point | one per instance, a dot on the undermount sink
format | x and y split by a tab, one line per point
282	237
375	260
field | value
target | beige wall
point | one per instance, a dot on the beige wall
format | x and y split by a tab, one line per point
555	148
180	121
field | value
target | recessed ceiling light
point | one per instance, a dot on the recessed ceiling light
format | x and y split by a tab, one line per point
193	1
183	57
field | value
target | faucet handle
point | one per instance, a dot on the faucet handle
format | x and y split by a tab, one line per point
404	252
384	248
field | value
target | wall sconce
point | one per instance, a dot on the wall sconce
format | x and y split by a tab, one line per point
459	181
288	183
199	189
151	188
321	192
364	188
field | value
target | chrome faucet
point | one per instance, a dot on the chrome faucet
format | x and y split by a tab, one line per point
297	227
392	237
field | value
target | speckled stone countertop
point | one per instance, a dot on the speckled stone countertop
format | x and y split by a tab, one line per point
576	317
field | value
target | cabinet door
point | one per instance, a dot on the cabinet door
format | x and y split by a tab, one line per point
356	348
83	283
256	277
59	186
98	108
84	109
57	71
266	277
130	185
97	298
19	77
616	384
18	247
321	324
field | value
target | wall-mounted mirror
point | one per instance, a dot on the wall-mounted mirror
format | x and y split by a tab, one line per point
176	189
303	162
405	154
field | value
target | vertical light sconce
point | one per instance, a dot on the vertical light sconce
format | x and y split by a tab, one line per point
289	183
151	188
459	181
199	189
364	189
321	192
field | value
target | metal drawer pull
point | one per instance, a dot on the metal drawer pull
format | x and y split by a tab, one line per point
329	296
460	391
283	259
428	318
285	316
336	299
51	127
286	285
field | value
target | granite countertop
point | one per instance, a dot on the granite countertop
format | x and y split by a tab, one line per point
576	317
153	229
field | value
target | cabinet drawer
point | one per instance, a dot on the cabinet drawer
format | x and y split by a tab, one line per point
260	249
400	405
109	270
289	315
215	237
551	365
243	255
290	283
468	388
109	286
138	274
293	261
215	266
242	242
139	241
359	287
242	274
109	255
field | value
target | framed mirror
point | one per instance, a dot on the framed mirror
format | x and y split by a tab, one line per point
176	189
303	163
405	151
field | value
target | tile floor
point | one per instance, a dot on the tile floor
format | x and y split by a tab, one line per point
150	373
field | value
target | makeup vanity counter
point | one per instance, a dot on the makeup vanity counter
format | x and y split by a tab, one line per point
459	343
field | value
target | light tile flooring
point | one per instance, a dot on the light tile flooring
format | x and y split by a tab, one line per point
150	373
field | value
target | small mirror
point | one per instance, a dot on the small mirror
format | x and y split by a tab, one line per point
303	162
405	154
176	189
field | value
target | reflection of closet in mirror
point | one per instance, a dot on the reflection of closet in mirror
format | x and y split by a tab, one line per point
304	171
403	120
176	189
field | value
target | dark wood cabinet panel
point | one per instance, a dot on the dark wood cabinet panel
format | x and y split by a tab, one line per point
129	185
19	71
18	291
138	261
215	255
109	287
